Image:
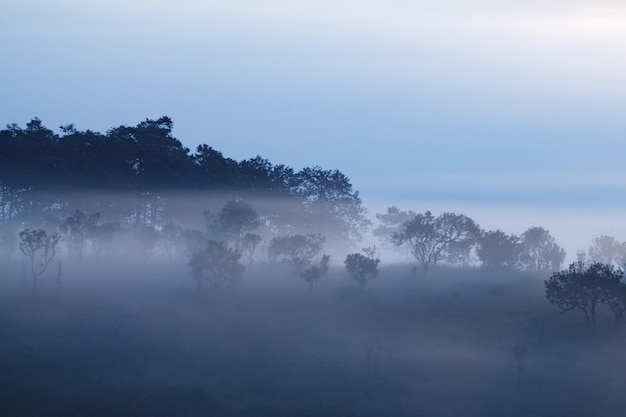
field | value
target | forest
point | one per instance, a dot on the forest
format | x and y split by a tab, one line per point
139	278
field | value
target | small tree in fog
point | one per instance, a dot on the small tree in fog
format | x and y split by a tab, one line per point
607	250
217	264
317	273
540	250
497	250
324	265
617	304
249	244
312	276
297	250
76	229
362	267
448	237
391	223
583	286
170	237
40	248
520	353
234	221
102	237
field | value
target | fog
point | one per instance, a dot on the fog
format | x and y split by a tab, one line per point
122	327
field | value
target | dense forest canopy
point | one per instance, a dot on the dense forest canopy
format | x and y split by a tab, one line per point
46	175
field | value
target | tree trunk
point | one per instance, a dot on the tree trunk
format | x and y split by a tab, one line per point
593	316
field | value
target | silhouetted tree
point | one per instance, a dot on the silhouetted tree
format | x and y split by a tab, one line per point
583	286
540	250
497	250
433	239
217	264
362	267
332	208
40	248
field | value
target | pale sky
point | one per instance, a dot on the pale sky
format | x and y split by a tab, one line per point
455	104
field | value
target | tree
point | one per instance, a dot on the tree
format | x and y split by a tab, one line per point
520	353
171	237
442	238
362	267
316	273
607	250
497	250
102	237
391	223
76	228
332	208
249	245
297	250
234	221
40	248
217	264
583	286
540	250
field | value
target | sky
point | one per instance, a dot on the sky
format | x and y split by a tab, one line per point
513	113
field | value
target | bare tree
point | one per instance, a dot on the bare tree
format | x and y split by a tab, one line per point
40	248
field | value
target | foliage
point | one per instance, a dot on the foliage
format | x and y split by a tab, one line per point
297	250
391	223
497	250
607	250
249	244
540	250
332	208
362	267
583	286
76	228
217	264
102	237
170	237
234	221
40	248
447	237
317	273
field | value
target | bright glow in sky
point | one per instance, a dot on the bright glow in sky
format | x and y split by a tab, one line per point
457	102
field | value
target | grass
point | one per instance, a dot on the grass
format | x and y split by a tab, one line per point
130	340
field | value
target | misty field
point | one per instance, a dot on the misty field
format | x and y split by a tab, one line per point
127	340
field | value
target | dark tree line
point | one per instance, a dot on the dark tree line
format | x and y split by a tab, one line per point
44	174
